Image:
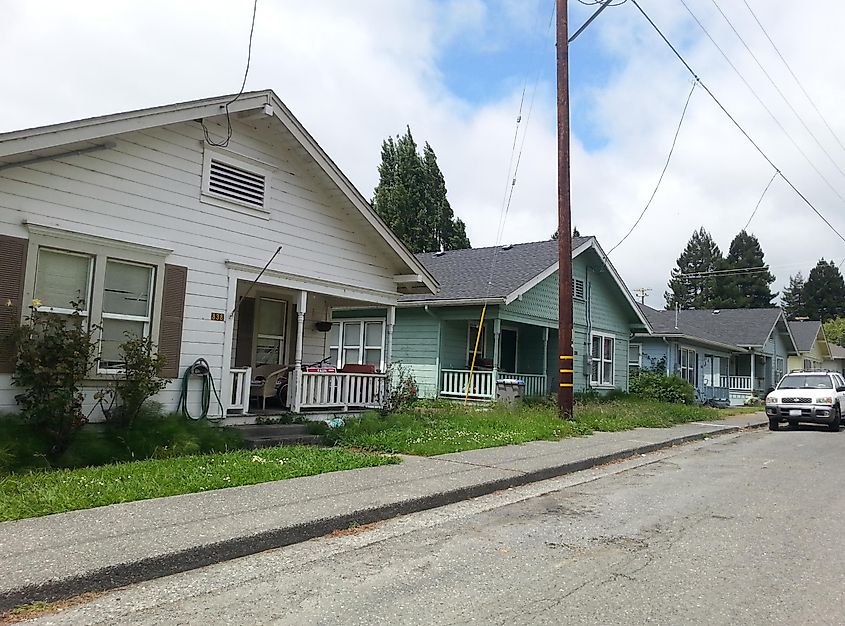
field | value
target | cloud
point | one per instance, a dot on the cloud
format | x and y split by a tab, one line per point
355	73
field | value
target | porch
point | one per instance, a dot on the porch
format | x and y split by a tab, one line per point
287	356
739	377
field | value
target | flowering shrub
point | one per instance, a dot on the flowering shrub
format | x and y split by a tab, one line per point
54	355
402	390
139	380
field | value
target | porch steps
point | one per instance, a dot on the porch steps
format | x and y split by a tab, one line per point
271	435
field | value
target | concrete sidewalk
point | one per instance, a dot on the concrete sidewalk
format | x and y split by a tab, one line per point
59	556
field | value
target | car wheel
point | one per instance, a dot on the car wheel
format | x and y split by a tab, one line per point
773	423
837	419
793	425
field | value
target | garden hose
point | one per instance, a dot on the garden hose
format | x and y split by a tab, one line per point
200	368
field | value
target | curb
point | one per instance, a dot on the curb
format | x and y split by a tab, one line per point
112	577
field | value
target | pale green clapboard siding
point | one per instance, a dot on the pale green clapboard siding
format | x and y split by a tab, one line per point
536	306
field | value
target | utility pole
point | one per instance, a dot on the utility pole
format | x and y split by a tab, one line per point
641	293
564	240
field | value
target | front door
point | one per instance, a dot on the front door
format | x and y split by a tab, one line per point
507	350
270	325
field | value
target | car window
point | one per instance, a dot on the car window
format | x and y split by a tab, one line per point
840	382
806	381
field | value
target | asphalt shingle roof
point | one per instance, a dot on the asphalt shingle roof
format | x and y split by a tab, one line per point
736	327
463	274
805	334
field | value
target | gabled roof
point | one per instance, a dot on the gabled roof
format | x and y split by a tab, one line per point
805	334
741	328
502	273
837	352
93	133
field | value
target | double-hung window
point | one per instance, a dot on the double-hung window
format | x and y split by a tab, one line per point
114	286
686	362
474	340
270	331
602	360
635	356
358	342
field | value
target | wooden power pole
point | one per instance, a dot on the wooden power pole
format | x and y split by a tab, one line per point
566	360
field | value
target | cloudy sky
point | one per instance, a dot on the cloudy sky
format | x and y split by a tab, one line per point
455	71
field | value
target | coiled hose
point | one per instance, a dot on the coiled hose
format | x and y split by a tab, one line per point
200	368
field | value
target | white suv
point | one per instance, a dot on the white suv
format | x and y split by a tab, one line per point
810	397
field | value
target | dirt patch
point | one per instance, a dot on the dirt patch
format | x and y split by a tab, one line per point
354	529
39	609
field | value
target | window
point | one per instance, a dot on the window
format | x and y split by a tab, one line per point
602	358
234	182
115	285
778	368
578	289
271	322
635	356
472	337
808	365
357	342
686	365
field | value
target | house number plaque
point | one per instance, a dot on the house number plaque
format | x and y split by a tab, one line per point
218	317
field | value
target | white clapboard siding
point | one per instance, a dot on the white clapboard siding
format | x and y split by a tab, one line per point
147	190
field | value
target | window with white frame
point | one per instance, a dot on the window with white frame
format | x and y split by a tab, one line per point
473	341
686	364
602	359
112	285
357	342
271	322
635	355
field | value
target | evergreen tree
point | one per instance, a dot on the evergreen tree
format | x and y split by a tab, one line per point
575	233
746	290
411	197
824	292
792	299
700	255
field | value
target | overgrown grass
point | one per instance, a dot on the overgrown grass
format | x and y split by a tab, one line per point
453	428
45	492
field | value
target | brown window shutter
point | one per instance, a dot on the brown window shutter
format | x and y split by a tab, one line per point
246	323
172	314
12	270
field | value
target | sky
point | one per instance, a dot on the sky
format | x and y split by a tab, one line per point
460	73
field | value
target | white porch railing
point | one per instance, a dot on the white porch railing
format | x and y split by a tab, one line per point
340	390
239	400
483	385
737	383
455	384
535	384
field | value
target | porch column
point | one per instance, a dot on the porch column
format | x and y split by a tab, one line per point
301	308
388	348
546	360
228	334
753	373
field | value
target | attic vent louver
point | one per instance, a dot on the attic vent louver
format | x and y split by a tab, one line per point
440	253
236	184
716	312
507	247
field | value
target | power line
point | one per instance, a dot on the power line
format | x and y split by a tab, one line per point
760	100
660	179
778	89
762	195
735	122
225	142
757	269
794	76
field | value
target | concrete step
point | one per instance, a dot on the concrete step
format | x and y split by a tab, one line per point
283	440
269	435
264	430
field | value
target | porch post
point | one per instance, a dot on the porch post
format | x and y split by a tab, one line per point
546	359
228	333
301	308
391	321
497	335
753	364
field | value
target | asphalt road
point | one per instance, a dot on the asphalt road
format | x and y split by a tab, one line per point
741	529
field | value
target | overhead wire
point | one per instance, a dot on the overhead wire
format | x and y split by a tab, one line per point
798	116
794	76
760	100
736	123
225	142
662	172
762	195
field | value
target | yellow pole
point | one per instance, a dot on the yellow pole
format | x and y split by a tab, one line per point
474	353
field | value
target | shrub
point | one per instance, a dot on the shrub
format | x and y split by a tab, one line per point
139	381
54	355
401	389
653	386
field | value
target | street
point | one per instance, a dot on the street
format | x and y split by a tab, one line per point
739	529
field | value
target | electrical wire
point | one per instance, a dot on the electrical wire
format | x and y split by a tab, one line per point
794	76
762	195
225	142
660	178
760	100
736	123
798	116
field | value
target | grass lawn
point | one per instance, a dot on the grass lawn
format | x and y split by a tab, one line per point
45	492
452	428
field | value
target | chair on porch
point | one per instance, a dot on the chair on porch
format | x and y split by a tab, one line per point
265	382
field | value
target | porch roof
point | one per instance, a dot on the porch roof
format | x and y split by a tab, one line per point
740	328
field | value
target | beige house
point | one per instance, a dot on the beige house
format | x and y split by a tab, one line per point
813	349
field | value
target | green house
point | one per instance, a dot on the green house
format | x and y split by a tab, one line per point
436	336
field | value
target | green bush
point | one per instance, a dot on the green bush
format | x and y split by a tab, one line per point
139	381
662	388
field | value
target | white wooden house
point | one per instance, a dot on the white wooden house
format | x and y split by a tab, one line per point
160	230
